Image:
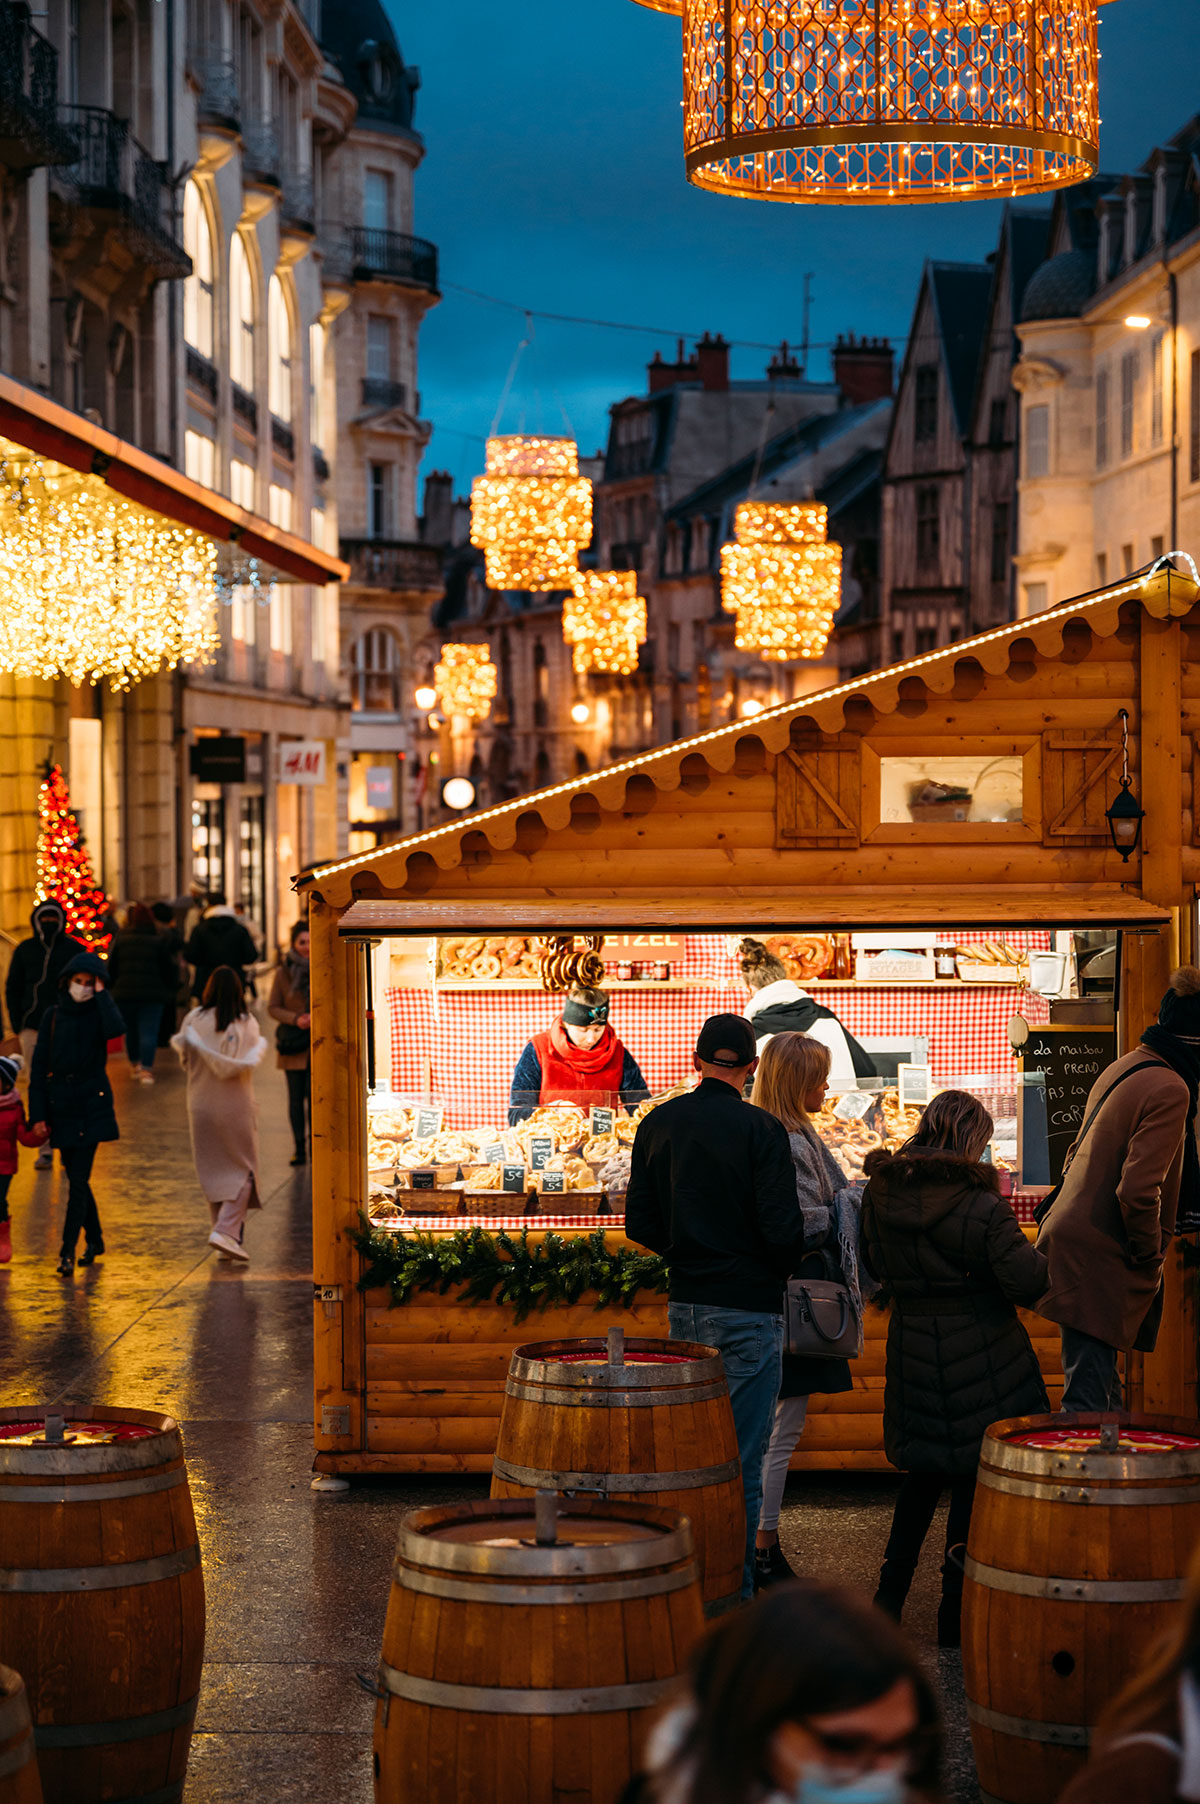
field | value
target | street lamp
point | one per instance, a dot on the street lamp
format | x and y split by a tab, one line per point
580	713
458	793
425	697
1139	322
1125	815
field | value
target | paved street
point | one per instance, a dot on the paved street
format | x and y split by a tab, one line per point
297	1582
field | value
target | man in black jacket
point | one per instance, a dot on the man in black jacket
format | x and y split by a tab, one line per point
713	1188
218	939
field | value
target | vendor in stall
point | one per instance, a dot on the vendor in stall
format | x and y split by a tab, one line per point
778	1005
579	1060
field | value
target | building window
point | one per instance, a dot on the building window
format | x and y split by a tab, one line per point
1037	440
379	348
998	423
1156	389
377	200
319	594
279	512
241	484
199	458
1127	560
929	533
925	401
198	288
1000	519
379	500
1194	421
1035	598
1128	399
1101	569
1101	419
1156	546
241	315
316	384
279	347
375	673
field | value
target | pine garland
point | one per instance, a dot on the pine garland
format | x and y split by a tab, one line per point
504	1268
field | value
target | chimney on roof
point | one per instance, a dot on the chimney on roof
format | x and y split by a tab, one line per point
662	375
784	367
438	519
712	362
862	368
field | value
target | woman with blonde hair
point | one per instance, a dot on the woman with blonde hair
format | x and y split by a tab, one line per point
1149	1748
951	1258
790	1083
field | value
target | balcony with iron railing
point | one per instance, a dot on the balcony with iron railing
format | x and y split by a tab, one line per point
394	564
30	132
283	438
108	172
212	72
201	372
261	159
368	254
297	203
380	391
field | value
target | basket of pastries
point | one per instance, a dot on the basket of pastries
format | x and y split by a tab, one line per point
563	1122
478	958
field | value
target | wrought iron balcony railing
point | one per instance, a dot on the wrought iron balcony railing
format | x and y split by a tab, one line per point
201	372
366	254
296	199
260	151
283	438
393	563
108	171
30	132
244	406
378	391
213	73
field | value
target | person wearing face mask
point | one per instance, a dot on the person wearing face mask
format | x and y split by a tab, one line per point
807	1697
579	1060
32	981
69	1090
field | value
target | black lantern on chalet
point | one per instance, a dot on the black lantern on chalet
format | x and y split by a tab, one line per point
1125	814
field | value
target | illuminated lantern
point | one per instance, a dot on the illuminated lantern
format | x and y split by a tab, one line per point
872	102
465	681
604	621
663	6
531	513
782	579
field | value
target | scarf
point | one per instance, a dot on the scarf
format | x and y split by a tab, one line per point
588	1077
1183	1058
299	971
585	1059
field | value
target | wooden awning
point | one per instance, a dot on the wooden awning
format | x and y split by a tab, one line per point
42	426
730	910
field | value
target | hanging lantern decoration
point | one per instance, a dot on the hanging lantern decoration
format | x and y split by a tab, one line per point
663	6
604	621
531	513
782	579
465	681
917	100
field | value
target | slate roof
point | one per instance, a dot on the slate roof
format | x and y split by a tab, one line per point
806	436
960	299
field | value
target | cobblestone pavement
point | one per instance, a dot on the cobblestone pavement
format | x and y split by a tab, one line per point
297	1582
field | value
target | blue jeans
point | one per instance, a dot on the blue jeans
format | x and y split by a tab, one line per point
141	1031
1090	1366
751	1346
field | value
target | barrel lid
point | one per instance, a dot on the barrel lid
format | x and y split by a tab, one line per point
1087	1440
635	1364
86	1438
1116	1447
503	1536
94	1433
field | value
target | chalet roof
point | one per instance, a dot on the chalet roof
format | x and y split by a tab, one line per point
960	301
1163	594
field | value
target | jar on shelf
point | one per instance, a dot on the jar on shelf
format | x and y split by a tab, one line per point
945	959
625	971
662	971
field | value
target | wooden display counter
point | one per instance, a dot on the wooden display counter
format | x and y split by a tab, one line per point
790	821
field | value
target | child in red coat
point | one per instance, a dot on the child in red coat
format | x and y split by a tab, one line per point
14	1129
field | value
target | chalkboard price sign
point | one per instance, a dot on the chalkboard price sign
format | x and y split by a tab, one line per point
1069	1060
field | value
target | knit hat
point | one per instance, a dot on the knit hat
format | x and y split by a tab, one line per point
10	1064
1179	1011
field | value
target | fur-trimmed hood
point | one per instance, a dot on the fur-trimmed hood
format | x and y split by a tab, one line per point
917	1188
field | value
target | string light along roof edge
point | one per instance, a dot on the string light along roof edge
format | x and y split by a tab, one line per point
1163	591
43	427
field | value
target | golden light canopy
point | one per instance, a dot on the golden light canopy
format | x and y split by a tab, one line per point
531	513
782	579
604	621
465	681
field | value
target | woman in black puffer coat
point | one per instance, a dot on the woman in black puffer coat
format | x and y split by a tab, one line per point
953	1262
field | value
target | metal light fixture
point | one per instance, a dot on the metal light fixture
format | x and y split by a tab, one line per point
458	793
663	6
531	513
782	578
1124	814
580	713
425	697
466	681
604	622
856	102
1138	322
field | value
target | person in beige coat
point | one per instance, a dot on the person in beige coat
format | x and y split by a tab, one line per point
1132	1179
219	1045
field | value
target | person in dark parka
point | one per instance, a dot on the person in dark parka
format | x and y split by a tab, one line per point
69	1090
953	1262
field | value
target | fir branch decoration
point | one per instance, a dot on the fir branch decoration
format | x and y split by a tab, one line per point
504	1268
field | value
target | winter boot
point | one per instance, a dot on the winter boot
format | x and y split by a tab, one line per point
771	1567
949	1617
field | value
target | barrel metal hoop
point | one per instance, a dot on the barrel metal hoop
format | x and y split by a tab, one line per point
719	1606
1077	1468
610	1591
162	1448
129	1728
561	1562
16	1758
28	1580
616	1484
1059	1493
612	1399
122	1487
625	1377
1061	1735
1071	1590
500	1700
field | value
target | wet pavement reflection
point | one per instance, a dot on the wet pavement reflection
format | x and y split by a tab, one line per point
297	1582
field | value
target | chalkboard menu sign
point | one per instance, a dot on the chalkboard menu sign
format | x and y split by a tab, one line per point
1059	1066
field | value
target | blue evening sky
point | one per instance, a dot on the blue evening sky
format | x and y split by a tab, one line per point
554	178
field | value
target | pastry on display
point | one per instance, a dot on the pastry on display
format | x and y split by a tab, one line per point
600	1147
562	1122
804	956
492	959
483	1177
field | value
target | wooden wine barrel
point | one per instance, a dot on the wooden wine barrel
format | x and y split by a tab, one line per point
1081	1533
19	1782
527	1645
101	1597
639	1420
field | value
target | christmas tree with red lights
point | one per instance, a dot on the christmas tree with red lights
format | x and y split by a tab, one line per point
64	868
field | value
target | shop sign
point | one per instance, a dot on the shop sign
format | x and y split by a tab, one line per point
381	786
622	948
302	761
429	1120
218	758
513	1178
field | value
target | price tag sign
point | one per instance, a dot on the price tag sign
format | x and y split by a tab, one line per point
429	1120
914	1085
495	1154
603	1121
853	1105
423	1180
553	1182
513	1179
541	1151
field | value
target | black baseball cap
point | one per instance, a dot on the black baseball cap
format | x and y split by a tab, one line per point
726	1040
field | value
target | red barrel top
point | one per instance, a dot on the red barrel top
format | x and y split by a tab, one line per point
1087	1440
85	1434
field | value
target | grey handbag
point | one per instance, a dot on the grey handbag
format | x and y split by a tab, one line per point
819	1320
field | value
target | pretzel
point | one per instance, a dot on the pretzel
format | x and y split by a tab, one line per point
600	1147
486	967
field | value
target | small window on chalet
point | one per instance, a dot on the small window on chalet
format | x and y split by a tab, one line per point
929	532
925	402
946	791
